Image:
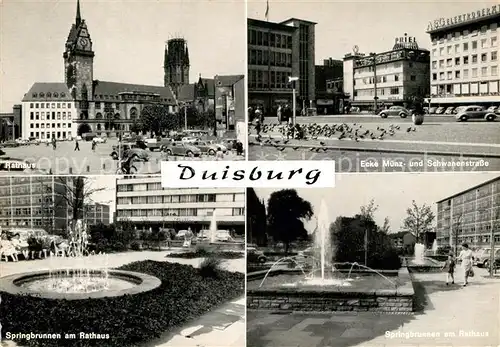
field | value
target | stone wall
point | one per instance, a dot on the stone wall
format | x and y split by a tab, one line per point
397	300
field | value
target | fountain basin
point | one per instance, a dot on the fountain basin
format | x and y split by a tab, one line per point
368	292
424	265
37	283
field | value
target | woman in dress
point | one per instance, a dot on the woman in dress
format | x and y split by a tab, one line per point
20	245
7	248
466	258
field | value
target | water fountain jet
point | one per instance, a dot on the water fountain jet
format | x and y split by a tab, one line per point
213	227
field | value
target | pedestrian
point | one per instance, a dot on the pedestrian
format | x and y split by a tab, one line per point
257	126
278	113
77	144
54	143
94	144
450	264
219	155
466	258
239	148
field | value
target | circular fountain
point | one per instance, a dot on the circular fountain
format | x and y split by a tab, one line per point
80	282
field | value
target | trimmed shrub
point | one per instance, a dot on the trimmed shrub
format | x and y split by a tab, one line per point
210	267
135	246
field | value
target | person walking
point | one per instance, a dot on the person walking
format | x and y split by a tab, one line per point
450	264
278	114
94	144
466	258
54	143
77	145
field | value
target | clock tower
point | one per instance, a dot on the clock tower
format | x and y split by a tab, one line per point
79	64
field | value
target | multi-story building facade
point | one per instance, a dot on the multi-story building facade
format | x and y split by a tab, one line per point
48	111
11	124
143	201
97	213
35	202
277	51
465	52
329	97
389	78
470	215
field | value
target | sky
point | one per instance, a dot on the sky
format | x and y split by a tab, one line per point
128	39
371	25
393	193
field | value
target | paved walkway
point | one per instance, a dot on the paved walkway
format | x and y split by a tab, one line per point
448	316
223	327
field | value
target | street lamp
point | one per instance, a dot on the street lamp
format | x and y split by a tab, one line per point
375	97
293	80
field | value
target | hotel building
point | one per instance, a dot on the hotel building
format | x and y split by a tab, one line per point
469	216
277	51
145	203
97	213
465	51
390	78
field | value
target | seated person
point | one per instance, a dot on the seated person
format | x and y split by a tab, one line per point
20	245
7	249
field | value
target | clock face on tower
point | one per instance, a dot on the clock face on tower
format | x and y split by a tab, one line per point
84	42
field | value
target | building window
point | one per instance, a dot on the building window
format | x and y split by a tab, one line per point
466	46
474	59
484	43
434	76
441	64
457	74
441	76
474	45
32	116
69	104
434	64
474	72
484	58
396	77
493	26
494	70
493	41
484	71
98	105
448	62
449	75
466	60
448	50
466	73
494	55
484	29
434	52
441	51
395	91
457	61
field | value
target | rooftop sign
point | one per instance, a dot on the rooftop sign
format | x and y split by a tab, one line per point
442	22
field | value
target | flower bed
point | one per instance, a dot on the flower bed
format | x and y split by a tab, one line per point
185	294
204	254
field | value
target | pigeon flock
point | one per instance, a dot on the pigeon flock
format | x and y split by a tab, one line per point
354	132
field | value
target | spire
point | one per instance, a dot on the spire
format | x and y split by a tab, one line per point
78	15
186	56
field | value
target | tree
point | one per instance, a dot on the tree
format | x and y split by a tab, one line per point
156	118
419	220
386	227
368	211
285	212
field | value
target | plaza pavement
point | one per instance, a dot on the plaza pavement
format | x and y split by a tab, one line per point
65	160
222	327
447	316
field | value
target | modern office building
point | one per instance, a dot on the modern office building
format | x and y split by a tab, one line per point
470	215
277	51
390	78
97	213
464	57
34	202
143	201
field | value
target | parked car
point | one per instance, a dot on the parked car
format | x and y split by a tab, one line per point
474	112
129	150
182	148
449	110
158	144
255	255
209	147
395	111
483	258
493	109
34	140
99	139
22	142
432	110
223	236
189	139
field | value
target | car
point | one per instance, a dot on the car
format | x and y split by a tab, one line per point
182	148
229	143
474	112
99	139
255	255
395	111
493	109
34	140
432	110
10	143
440	110
449	110
483	258
129	150
159	143
189	139
209	147
22	142
203	235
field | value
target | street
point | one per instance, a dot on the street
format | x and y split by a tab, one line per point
65	159
364	143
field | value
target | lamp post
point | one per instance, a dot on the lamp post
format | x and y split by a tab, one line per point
375	97
293	80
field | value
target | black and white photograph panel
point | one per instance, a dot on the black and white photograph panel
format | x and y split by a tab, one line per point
120	261
100	84
365	264
373	90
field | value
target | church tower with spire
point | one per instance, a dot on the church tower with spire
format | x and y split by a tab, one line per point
79	63
176	65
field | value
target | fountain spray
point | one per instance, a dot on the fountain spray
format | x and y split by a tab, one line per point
323	231
213	227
